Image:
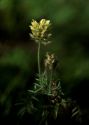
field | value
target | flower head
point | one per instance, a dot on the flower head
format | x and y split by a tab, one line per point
40	31
49	61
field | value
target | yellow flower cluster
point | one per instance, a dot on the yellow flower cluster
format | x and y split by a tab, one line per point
40	30
49	61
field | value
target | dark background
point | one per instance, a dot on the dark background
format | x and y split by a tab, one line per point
70	42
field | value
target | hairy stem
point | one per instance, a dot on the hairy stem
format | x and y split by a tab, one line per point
50	80
38	58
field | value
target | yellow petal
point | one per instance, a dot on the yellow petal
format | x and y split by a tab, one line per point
42	21
34	23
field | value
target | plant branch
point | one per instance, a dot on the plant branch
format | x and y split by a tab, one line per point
38	58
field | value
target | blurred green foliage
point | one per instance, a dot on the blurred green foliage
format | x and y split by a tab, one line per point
70	29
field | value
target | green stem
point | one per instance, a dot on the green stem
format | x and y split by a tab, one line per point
50	81
38	58
51	75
